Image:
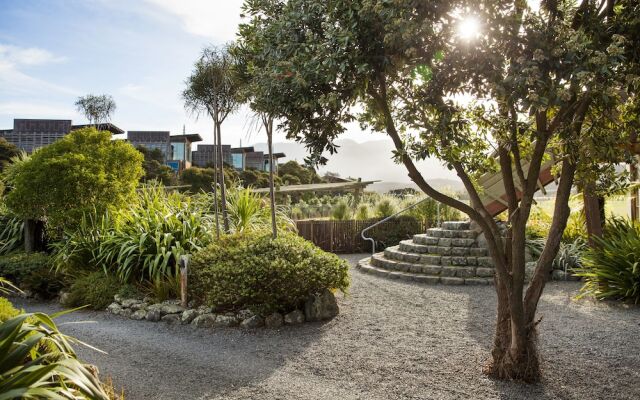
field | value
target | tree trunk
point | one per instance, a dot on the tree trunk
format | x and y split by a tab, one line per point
33	235
223	190
592	213
272	195
215	179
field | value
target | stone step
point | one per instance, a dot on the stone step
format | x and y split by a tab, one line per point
443	241
379	260
456	256
456	225
366	266
451	233
410	246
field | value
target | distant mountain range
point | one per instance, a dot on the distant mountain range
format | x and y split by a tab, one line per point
371	160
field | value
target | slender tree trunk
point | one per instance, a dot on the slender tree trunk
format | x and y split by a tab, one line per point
268	122
215	179
223	190
30	236
592	213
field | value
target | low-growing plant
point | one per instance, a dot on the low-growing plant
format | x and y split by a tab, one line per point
11	233
37	361
32	272
95	290
264	274
249	211
363	212
386	207
7	310
611	269
341	211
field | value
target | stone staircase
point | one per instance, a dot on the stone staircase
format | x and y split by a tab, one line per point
451	255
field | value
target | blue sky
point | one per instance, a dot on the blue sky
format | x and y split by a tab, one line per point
139	51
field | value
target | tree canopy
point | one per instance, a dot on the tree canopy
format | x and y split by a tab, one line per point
558	80
96	109
80	173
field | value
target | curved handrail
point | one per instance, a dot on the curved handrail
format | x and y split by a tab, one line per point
373	242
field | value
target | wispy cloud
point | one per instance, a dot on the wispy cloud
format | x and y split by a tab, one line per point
35	110
216	20
18	56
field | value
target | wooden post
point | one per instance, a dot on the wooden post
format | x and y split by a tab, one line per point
184	261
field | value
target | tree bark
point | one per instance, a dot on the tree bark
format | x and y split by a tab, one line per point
268	123
223	190
215	179
30	235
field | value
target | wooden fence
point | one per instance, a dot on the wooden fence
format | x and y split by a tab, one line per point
344	236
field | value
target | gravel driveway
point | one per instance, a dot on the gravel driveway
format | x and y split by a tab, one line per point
392	340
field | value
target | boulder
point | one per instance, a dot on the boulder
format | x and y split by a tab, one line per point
274	320
188	316
203	310
129	303
139	315
171	309
118	298
321	306
226	321
64	296
253	322
204	320
139	306
153	314
127	313
245	314
294	317
114	308
171	319
529	270
558	275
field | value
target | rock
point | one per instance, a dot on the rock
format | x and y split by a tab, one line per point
139	315
274	320
147	299
188	316
294	317
245	314
203	310
153	314
204	320
114	308
129	303
118	298
558	275
64	296
171	319
139	306
126	313
321	306
171	309
252	322
226	321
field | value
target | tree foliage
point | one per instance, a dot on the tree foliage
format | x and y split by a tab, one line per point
96	109
532	83
80	173
154	167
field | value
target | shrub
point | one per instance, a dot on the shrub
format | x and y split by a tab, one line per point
386	207
341	211
430	211
32	272
38	361
264	274
7	310
11	233
611	270
393	231
250	211
95	290
362	212
83	171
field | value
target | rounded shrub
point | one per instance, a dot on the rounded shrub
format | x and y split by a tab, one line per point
263	274
95	290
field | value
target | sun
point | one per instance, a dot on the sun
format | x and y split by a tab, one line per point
469	28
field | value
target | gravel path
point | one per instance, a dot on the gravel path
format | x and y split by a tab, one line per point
391	340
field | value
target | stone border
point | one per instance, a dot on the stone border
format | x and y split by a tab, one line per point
317	307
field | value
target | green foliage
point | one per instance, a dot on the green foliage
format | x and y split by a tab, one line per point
429	210
38	362
341	211
95	290
11	233
611	270
257	179
7	310
7	152
96	108
200	179
291	170
363	212
32	272
264	274
394	230
249	211
539	224
154	167
80	173
386	207
576	229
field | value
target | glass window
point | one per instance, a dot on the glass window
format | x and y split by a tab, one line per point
237	159
178	151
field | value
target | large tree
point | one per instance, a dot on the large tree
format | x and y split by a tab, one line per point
96	108
212	88
527	85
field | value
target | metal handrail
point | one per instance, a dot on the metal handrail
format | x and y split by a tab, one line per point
373	242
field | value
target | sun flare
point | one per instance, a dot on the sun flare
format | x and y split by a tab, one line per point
468	28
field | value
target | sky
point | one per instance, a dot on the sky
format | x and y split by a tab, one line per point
138	51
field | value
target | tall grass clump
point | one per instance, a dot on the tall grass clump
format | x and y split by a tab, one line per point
386	207
341	211
249	211
143	241
11	231
611	269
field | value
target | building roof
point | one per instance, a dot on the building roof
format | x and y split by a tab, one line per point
319	187
242	149
275	155
193	137
107	126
